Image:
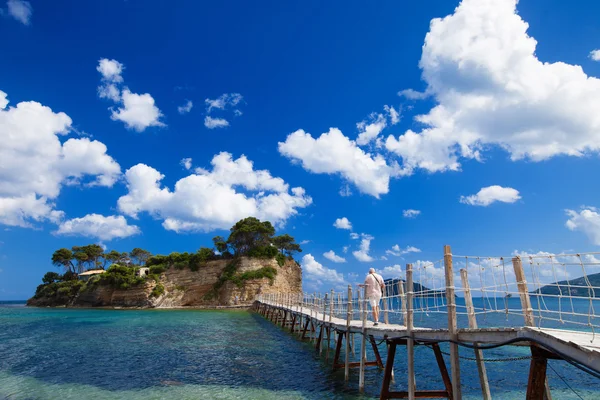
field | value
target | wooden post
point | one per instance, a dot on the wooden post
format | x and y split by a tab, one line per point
323	323
452	326
402	301
523	292
348	320
385	305
529	321
331	305
410	344
363	343
483	380
537	384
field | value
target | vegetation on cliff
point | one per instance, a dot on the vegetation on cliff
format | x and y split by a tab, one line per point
249	237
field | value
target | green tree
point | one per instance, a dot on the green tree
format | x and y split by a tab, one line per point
50	277
63	258
115	257
94	254
250	233
286	244
139	256
81	259
220	244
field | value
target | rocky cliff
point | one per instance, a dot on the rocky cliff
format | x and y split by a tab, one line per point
211	285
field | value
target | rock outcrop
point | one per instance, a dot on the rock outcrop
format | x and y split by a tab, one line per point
187	288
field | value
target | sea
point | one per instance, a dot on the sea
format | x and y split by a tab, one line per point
57	353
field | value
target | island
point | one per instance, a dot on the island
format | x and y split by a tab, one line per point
251	261
567	289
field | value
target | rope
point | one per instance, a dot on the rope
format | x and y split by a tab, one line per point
565	382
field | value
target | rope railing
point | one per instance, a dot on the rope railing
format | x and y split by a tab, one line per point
539	290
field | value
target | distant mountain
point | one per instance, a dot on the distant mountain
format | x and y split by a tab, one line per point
553	288
418	289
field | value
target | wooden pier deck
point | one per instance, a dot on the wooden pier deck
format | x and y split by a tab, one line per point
333	320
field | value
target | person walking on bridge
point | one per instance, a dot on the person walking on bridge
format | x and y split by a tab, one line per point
374	284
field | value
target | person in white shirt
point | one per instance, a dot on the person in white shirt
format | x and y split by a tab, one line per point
374	284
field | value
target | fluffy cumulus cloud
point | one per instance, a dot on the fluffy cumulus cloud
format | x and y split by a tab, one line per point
20	10
343	223
587	221
595	55
98	226
370	128
491	194
315	271
136	111
491	90
397	251
331	256
186	108
212	123
411	213
392	271
334	153
363	253
36	163
215	199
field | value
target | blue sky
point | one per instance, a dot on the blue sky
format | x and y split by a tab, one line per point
485	122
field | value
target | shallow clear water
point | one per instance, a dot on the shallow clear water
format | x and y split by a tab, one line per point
185	354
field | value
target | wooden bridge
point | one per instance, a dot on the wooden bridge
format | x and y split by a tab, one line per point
331	321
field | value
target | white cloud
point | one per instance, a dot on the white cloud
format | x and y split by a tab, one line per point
595	55
110	70
343	223
20	10
393	114
137	111
224	101
208	200
411	213
392	271
186	163
98	226
491	194
587	221
36	164
345	249
397	251
331	256
305	242
412	94
3	100
334	153
370	128
212	123
186	108
491	90
317	272
363	254
354	235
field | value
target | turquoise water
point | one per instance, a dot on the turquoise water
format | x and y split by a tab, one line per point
185	354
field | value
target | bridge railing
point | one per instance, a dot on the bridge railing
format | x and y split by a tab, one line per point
541	290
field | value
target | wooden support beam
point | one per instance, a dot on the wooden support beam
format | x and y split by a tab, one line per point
305	329
348	319
376	351
338	348
443	370
536	386
483	379
293	323
387	375
452	325
363	342
410	347
319	338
